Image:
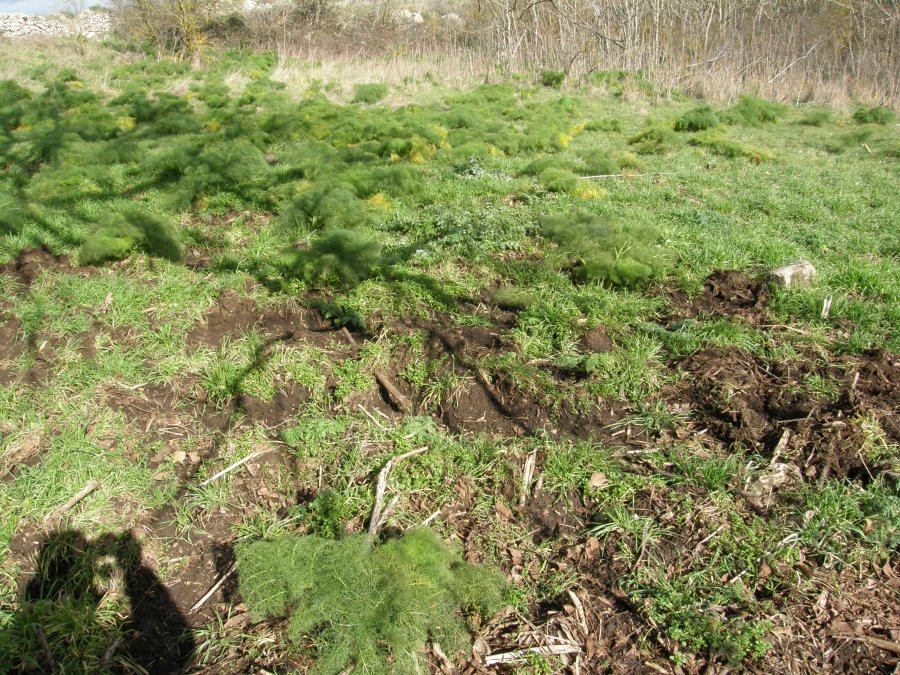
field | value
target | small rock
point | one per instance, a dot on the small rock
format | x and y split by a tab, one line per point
598	480
796	274
761	491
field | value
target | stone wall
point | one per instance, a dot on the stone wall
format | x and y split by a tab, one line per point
86	24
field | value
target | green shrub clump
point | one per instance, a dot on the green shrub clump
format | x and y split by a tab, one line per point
816	117
339	256
369	93
752	111
552	78
558	180
697	119
654	140
12	213
121	234
720	145
605	251
372	609
878	115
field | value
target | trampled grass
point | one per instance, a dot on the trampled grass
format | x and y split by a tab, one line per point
203	269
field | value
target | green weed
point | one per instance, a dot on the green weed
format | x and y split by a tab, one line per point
370	609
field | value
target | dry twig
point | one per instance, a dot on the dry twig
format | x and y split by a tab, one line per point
379	513
216	586
521	655
232	467
77	497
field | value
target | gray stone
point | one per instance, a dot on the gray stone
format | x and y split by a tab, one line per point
799	273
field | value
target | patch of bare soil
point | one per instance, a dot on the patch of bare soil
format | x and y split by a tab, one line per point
728	293
233	316
769	408
11	343
287	402
30	262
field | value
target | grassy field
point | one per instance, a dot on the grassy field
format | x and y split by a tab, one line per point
554	299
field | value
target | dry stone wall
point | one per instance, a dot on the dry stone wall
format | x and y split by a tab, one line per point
86	24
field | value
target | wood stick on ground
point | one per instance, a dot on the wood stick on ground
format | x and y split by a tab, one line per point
378	511
880	643
229	469
430	518
349	338
397	398
527	476
521	655
109	653
579	611
216	586
89	487
45	647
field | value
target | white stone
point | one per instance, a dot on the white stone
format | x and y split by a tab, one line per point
799	273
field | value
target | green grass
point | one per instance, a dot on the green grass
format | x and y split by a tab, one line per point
521	209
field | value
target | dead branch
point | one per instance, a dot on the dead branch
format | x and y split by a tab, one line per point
45	647
77	497
229	469
397	398
216	586
379	513
622	175
521	655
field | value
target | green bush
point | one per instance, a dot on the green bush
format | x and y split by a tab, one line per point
697	119
598	164
605	251
131	230
13	213
552	78
538	166
720	145
339	256
327	206
604	124
371	610
752	111
558	180
369	93
655	139
878	115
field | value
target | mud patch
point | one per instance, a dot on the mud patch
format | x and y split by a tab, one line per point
769	409
31	262
729	293
11	344
475	409
286	403
232	315
597	341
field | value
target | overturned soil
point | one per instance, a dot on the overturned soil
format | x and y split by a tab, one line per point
728	293
736	400
769	407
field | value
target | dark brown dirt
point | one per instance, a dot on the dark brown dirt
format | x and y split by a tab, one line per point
286	403
12	344
730	293
30	262
596	340
232	315
738	398
762	406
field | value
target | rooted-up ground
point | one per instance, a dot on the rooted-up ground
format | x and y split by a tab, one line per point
695	471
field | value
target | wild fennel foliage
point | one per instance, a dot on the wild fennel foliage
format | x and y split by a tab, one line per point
370	608
606	251
312	162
